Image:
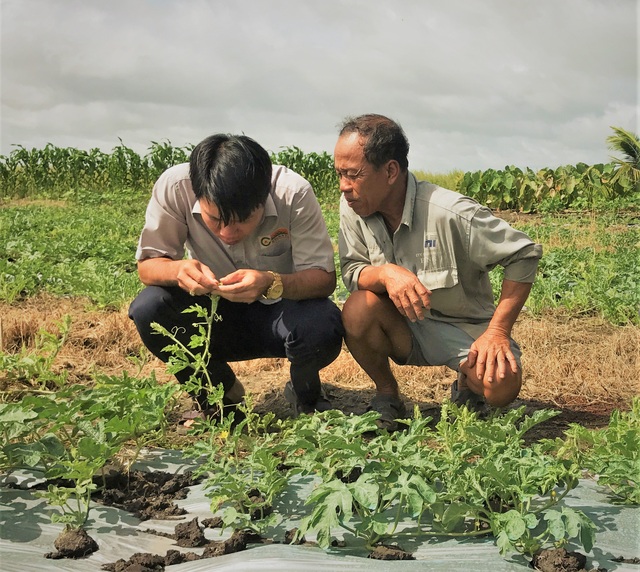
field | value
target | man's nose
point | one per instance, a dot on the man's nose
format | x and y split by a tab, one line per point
228	231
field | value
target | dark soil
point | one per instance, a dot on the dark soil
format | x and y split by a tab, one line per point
73	543
146	494
393	552
559	560
187	534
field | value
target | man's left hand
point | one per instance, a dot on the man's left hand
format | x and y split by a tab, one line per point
491	356
244	285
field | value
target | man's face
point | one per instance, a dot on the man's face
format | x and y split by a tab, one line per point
231	233
364	187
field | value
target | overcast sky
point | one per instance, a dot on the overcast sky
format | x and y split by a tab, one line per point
475	84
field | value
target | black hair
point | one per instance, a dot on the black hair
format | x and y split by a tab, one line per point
233	172
383	139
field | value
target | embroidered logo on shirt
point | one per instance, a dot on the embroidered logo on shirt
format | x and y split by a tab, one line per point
275	236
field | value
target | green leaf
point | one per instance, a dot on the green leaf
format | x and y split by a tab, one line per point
503	543
515	525
366	491
555	524
454	517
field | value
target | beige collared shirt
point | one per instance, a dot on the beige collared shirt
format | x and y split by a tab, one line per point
292	236
449	241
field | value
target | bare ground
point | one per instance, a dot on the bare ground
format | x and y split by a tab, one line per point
583	367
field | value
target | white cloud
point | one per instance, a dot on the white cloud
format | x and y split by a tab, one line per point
474	84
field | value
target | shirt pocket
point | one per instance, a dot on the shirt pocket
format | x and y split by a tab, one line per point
282	262
437	279
447	295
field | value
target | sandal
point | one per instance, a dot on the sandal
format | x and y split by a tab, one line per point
391	409
463	396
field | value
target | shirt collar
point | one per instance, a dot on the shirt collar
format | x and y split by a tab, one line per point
409	201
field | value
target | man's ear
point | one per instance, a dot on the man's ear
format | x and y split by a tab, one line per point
393	171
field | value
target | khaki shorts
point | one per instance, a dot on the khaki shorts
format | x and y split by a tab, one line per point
445	343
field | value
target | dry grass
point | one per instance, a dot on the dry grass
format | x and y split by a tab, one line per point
579	365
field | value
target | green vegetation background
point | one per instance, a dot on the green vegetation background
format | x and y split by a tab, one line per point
70	221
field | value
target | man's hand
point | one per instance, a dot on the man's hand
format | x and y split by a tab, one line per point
244	285
196	278
405	290
491	356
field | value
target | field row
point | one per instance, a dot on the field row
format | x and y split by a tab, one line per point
85	247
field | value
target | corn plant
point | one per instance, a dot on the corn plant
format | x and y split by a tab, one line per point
317	168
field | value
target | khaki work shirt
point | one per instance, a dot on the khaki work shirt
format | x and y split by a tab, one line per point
291	237
449	241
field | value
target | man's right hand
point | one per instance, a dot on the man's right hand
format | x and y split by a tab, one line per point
405	290
196	278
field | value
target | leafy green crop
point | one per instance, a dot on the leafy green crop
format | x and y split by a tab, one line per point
611	454
81	250
69	435
466	478
579	186
34	366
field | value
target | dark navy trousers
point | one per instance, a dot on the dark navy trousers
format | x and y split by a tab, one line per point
308	333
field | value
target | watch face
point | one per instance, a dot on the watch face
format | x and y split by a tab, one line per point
275	291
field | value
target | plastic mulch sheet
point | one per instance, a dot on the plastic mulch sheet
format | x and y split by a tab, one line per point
26	534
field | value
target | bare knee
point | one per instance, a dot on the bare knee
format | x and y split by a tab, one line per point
360	311
501	393
373	325
498	393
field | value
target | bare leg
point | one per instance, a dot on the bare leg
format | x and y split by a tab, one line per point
499	393
375	331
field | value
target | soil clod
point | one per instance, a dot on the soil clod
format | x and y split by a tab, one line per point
73	543
392	552
560	560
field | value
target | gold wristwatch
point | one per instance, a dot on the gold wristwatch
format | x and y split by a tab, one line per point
275	290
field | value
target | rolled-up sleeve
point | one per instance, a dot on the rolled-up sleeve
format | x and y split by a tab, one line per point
311	244
354	254
165	229
493	242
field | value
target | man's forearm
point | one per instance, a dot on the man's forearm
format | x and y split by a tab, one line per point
371	278
512	299
159	271
310	283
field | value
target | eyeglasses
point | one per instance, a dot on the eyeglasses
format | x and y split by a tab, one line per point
350	175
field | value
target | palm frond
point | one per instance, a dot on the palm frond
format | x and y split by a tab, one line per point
626	143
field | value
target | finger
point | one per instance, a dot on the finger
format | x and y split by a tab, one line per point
472	356
417	306
208	277
501	365
481	361
409	309
490	371
424	296
512	362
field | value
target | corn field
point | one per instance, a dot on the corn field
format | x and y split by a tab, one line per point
62	173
